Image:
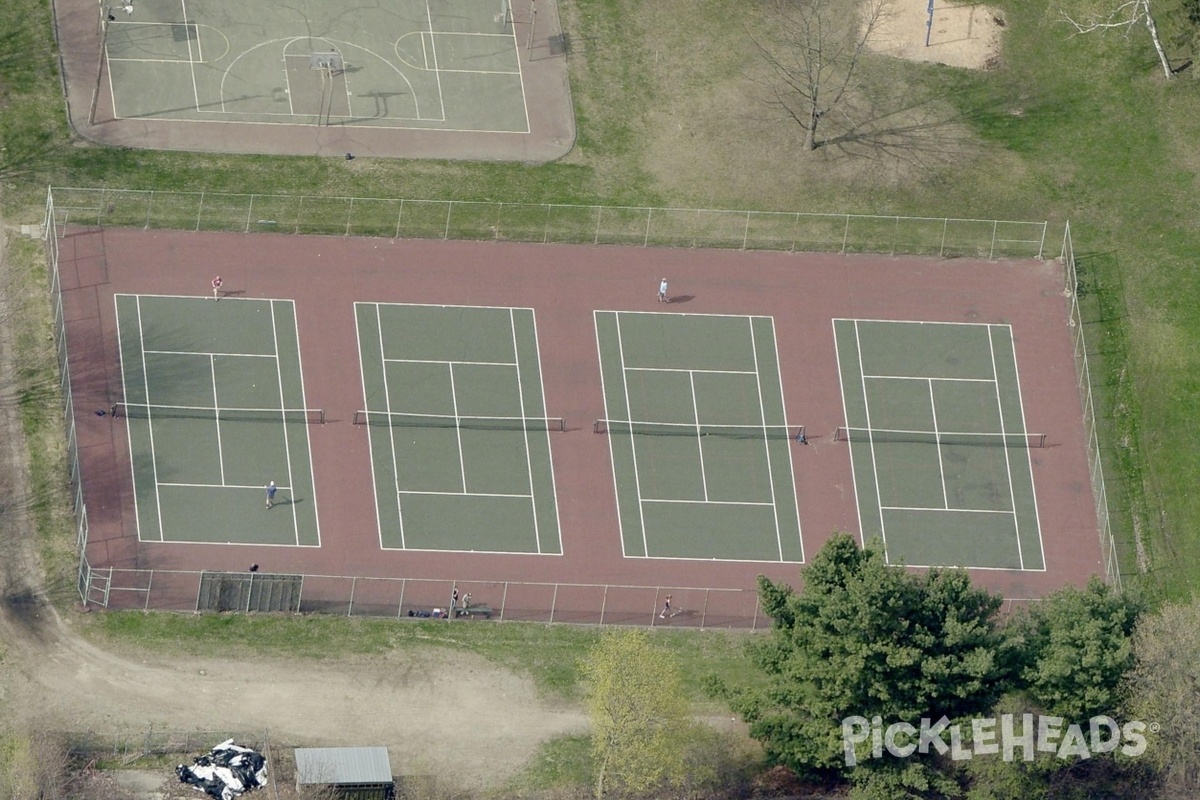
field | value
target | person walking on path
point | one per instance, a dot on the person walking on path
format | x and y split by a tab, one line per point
271	494
662	292
216	284
666	608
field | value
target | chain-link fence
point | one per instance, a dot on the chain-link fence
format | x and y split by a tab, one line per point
429	598
1112	567
551	222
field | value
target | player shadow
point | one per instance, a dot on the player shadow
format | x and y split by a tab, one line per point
682	298
232	292
286	501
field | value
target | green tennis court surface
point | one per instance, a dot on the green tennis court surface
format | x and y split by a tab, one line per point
938	443
214	407
456	417
699	438
453	64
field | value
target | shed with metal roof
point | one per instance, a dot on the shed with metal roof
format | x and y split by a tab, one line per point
362	773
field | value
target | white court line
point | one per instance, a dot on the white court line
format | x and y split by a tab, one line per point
874	463
209	353
612	454
287	83
129	428
1012	493
387	404
637	479
926	378
453	305
433	50
307	437
791	464
462	464
212	365
512	323
677	314
468	494
537	353
150	422
708	371
370	439
973	567
957	510
520	69
1029	454
707	502
699	438
445	361
219	486
287	444
837	354
762	415
916	322
937	439
191	57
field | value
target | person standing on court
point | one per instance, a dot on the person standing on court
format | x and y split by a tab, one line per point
271	494
662	292
666	608
216	284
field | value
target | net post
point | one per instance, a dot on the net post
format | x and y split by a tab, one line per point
598	426
841	435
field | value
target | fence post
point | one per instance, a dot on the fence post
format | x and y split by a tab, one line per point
353	587
603	603
554	602
149	589
399	216
599	214
646	239
995	227
199	210
504	600
149	205
249	213
746	231
846	234
942	246
546	227
499	216
449	211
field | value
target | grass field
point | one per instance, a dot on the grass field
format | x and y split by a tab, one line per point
1083	128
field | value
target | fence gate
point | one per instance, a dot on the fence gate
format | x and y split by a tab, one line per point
249	591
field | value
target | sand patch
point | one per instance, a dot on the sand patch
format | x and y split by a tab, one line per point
966	35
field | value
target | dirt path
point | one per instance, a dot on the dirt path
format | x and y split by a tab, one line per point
422	705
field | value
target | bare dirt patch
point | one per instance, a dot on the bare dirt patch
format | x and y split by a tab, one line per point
427	706
963	35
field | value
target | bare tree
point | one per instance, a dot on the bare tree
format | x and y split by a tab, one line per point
1126	16
814	49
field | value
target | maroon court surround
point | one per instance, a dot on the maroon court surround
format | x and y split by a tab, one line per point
564	285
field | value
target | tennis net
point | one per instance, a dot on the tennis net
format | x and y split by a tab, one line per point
395	419
309	416
869	435
642	428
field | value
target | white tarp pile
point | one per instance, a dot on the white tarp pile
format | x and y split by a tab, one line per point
226	771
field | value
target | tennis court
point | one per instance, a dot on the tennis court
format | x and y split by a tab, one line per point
939	448
214	408
699	438
450	65
459	435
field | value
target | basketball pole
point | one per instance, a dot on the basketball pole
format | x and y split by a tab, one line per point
99	63
532	24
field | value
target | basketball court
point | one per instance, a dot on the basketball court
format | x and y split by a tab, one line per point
324	77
